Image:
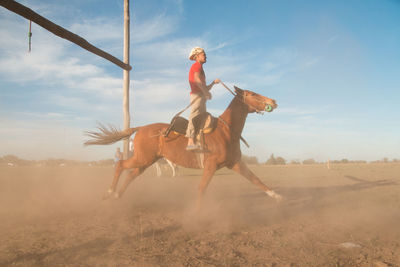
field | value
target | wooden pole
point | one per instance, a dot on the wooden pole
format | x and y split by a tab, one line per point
60	31
126	75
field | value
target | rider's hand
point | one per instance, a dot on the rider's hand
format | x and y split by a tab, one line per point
216	81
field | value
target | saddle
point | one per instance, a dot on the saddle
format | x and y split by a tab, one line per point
203	123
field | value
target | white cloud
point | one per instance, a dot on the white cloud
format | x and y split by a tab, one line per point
154	93
166	52
48	138
106	86
300	111
218	46
99	29
51	63
151	29
86	89
333	38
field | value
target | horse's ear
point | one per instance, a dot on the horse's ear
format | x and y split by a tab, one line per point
238	90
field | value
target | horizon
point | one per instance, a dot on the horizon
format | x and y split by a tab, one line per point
333	68
246	158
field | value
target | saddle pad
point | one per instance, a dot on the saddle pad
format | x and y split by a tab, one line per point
179	125
205	121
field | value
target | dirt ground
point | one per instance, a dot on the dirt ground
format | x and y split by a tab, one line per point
346	216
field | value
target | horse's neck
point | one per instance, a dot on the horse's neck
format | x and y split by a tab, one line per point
235	116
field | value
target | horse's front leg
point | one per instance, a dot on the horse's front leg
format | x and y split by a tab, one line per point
209	170
241	168
173	167
158	168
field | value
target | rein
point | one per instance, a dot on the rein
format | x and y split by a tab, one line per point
242	98
227	125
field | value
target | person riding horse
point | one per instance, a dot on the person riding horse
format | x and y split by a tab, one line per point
223	143
199	93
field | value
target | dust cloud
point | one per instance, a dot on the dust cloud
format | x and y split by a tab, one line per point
56	216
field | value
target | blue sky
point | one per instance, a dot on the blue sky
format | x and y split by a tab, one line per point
332	66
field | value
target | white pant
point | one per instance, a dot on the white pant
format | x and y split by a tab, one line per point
198	107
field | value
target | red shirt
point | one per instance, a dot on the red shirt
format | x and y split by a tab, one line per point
196	67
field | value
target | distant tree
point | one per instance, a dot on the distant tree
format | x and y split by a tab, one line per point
250	159
309	161
11	159
280	161
271	160
105	162
54	162
275	161
15	160
359	161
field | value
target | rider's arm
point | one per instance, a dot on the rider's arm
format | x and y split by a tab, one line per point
212	84
203	87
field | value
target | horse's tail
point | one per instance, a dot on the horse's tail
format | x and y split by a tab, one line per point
107	136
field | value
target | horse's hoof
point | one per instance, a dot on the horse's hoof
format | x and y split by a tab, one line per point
107	194
279	198
274	195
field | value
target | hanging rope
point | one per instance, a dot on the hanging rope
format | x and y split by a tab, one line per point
30	35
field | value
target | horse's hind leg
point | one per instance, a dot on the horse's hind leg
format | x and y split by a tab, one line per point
132	175
117	174
119	167
137	167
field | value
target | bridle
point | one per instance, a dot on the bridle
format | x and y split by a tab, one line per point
242	97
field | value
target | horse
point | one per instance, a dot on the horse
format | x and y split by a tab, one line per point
223	146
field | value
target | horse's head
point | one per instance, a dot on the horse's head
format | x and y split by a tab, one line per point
255	102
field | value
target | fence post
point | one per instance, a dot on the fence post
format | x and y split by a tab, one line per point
126	76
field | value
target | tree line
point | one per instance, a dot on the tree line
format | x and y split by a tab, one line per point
12	160
272	160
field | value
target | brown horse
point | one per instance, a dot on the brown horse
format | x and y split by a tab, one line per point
223	145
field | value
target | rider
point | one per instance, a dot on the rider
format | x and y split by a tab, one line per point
199	92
